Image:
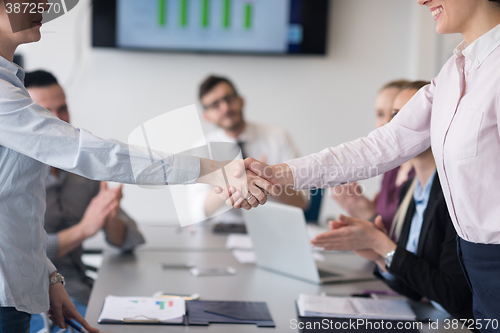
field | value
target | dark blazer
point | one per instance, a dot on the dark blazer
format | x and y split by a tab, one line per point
435	271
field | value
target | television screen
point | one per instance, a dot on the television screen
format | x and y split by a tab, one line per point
217	26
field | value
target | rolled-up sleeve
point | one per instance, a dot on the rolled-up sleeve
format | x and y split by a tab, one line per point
52	246
406	136
33	131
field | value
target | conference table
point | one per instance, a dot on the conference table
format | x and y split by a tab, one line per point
140	274
170	237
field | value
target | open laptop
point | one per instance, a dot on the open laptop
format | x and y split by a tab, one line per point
281	244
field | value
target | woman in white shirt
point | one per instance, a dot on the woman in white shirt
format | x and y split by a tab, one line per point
31	139
457	116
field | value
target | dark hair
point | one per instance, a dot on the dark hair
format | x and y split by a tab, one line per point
39	79
211	82
398	84
416	85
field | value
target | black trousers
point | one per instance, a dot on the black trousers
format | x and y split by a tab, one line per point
481	266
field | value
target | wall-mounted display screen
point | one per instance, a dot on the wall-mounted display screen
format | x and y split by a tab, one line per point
218	26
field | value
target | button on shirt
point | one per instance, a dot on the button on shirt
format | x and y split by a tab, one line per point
457	115
30	139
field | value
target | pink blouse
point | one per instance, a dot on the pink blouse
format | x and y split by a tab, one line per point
456	115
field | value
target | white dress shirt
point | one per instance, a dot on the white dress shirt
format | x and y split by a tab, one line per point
457	114
260	140
31	138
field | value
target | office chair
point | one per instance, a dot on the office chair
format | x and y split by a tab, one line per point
312	213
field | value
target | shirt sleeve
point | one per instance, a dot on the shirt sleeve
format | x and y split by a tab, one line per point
389	146
31	130
133	237
52	246
50	267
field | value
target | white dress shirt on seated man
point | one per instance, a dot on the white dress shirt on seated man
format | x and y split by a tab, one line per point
272	143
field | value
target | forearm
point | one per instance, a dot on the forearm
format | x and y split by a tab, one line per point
70	239
406	136
115	231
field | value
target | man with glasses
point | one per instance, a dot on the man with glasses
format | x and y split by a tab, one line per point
223	107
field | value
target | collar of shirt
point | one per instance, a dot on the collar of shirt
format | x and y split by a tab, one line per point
247	135
421	194
15	69
482	47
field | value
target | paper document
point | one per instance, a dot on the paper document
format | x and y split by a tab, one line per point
130	309
237	241
354	307
244	257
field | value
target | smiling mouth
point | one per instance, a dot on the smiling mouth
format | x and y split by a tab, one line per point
437	11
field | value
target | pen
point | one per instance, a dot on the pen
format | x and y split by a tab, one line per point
76	327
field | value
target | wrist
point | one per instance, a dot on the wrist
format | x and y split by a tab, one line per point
381	264
56	279
208	174
283	175
82	231
382	244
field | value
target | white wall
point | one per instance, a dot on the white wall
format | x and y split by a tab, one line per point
322	101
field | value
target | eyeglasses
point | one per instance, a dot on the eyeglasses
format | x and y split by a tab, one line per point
227	99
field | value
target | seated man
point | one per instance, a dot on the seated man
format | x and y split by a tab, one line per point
77	208
223	107
419	257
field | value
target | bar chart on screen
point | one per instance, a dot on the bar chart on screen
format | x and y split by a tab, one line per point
205	10
245	25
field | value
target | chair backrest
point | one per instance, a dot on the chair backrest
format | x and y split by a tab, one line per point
312	213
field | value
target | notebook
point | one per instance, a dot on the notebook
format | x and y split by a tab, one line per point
142	310
354	307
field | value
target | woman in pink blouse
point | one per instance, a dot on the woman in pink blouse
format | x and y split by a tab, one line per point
457	116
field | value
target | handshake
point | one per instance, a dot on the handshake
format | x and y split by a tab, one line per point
246	183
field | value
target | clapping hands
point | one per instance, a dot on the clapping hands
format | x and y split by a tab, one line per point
366	239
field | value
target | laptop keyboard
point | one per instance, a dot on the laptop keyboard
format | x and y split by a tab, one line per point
325	274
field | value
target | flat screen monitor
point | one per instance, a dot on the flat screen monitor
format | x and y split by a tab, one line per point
214	26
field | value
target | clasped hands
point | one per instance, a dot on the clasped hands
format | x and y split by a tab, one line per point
246	183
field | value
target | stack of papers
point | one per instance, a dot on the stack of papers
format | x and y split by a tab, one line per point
354	307
237	241
242	248
142	309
